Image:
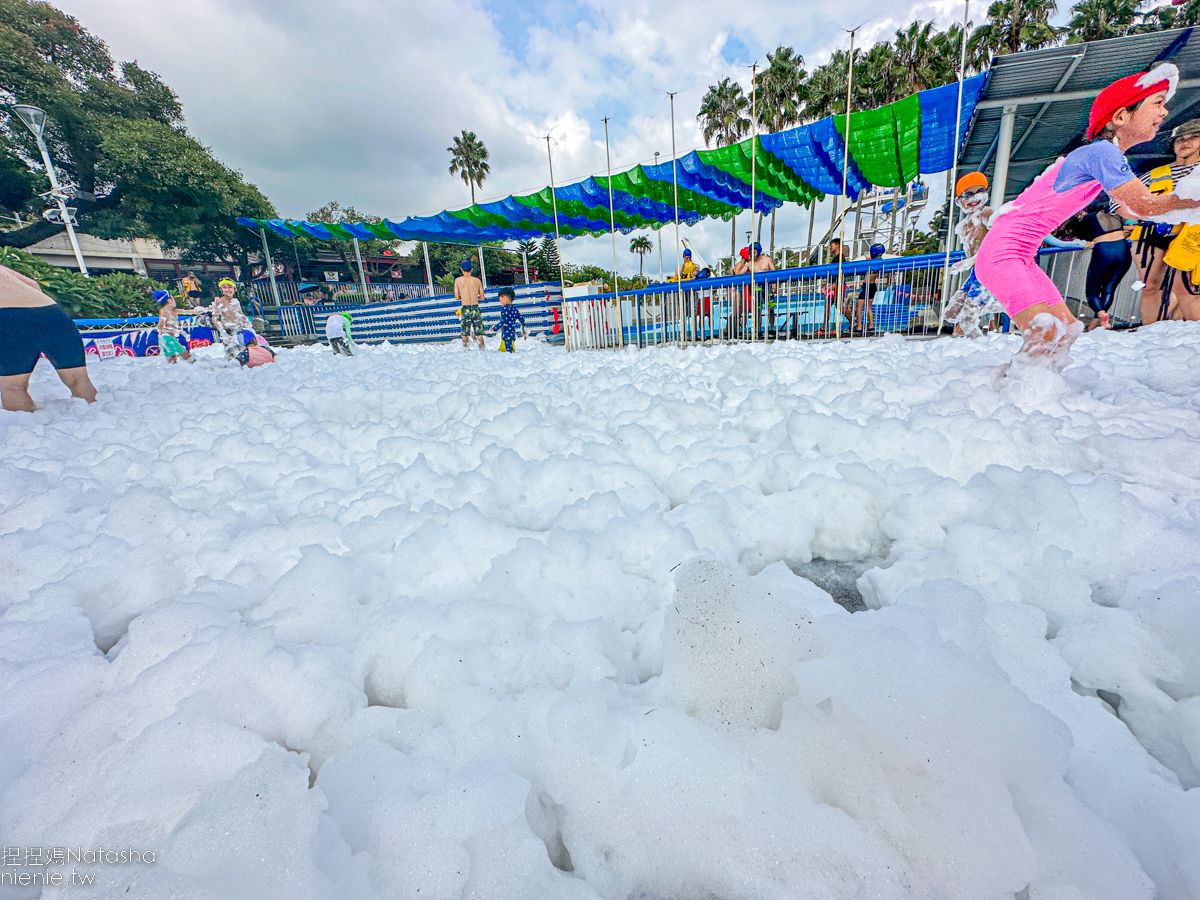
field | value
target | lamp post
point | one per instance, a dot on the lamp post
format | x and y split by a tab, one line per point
35	120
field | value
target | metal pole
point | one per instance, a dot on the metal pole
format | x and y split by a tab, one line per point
428	270
962	71
262	233
1008	120
845	169
612	224
754	314
362	273
661	277
62	204
482	268
562	278
812	218
675	183
525	264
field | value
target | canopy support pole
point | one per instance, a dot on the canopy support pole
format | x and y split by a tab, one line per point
962	71
612	226
1008	121
841	282
812	220
754	313
525	264
482	268
675	183
562	278
428	270
262	233
362	273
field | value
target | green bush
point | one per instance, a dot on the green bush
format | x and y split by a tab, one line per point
103	297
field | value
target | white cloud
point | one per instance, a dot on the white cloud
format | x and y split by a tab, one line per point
357	101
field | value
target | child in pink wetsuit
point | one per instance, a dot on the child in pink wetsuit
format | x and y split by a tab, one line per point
1126	113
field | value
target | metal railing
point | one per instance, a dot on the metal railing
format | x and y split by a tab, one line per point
340	291
790	304
428	320
801	304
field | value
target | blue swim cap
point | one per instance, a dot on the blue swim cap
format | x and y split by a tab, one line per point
161	297
465	265
757	249
877	250
247	336
687	253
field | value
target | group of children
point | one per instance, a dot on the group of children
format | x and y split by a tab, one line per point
228	321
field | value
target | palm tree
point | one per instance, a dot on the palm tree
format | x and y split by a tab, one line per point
723	117
915	64
781	93
875	78
469	160
1095	20
641	245
1012	26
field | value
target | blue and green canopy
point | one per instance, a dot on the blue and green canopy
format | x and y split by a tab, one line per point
889	147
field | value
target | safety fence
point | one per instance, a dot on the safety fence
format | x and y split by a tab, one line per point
338	291
878	296
430	320
900	296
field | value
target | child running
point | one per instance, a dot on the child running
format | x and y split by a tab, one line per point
169	329
337	329
1126	113
509	317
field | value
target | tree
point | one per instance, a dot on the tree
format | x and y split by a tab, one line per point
915	65
120	138
1012	26
1096	20
469	160
723	117
780	97
641	245
547	256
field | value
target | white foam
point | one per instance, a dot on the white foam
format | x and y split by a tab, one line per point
424	622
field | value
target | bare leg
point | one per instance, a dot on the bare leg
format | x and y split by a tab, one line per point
77	380
1049	332
1152	276
479	337
14	391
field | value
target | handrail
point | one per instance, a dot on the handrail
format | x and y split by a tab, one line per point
849	269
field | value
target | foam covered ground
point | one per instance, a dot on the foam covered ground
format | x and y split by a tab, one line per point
427	623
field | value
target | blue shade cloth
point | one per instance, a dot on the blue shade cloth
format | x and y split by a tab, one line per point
937	122
814	152
697	175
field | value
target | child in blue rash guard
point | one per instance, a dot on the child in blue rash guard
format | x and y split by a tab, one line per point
509	317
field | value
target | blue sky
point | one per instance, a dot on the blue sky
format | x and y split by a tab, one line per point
357	101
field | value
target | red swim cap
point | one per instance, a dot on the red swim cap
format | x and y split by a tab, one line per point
1129	90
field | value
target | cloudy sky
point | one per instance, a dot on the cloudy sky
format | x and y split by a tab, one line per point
357	101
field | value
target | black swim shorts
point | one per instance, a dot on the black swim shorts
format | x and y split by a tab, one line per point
28	332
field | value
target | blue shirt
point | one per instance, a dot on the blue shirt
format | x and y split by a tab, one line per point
510	316
1100	161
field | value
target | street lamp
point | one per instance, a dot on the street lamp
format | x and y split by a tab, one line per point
35	120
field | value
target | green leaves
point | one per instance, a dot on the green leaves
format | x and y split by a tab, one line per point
103	297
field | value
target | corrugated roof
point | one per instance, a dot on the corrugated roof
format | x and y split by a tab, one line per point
1045	130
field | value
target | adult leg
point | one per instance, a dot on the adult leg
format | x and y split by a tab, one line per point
14	393
77	380
1151	274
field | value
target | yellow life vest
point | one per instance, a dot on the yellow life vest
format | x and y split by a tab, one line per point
1162	181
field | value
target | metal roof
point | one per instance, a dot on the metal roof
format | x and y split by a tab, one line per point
1053	90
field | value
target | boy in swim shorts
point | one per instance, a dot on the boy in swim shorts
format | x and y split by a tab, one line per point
1126	113
468	290
169	329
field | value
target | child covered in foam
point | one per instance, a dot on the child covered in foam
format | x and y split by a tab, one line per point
1126	113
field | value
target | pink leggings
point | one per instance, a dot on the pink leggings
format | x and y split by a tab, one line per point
1016	281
